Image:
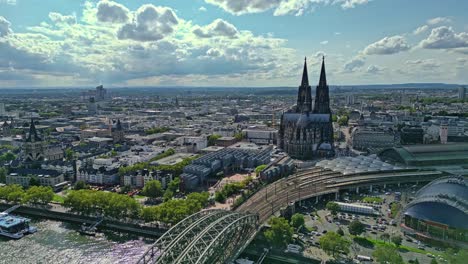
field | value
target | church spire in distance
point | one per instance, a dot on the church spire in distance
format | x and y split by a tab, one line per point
304	96
323	76
322	97
305	76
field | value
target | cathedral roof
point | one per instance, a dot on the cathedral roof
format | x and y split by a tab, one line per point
304	119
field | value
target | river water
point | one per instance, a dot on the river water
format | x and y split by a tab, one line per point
59	243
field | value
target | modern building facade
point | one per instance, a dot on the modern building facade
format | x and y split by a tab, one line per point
306	132
440	211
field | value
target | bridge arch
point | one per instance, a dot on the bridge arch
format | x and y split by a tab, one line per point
209	236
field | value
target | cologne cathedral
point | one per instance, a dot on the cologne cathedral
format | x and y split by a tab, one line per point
306	130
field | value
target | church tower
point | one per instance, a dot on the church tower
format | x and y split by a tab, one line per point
33	147
322	97
118	135
304	94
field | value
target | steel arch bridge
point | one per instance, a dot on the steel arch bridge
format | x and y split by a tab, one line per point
209	236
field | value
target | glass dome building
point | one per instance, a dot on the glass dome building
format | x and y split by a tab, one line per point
440	210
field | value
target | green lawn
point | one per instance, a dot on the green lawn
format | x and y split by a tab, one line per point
58	199
369	199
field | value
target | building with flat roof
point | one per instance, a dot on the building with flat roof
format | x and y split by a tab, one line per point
357	208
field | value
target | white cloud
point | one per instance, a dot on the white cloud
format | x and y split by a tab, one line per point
352	3
58	18
150	23
156	46
8	2
325	42
337	33
424	64
202	9
280	7
439	20
4	27
109	11
445	38
374	69
387	45
218	27
354	64
421	29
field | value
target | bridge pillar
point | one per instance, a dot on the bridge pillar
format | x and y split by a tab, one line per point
385	186
357	190
337	196
316	199
370	188
398	184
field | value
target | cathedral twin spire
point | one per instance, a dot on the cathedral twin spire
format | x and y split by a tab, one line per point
322	98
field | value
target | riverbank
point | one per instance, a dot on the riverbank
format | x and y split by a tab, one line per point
50	213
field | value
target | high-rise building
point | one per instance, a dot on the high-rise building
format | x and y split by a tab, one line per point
306	133
2	109
462	92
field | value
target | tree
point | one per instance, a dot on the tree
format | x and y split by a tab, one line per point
220	197
212	139
239	136
280	232
416	261
340	232
385	237
69	154
387	254
333	207
38	195
33	181
259	169
125	189
3	173
153	189
332	243
356	228
80	185
174	185
168	194
397	240
434	261
297	220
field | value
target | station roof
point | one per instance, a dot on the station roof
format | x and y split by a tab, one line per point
427	155
355	165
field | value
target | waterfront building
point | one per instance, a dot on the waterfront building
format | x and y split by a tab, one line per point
307	133
45	177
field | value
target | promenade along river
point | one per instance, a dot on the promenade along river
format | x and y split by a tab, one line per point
59	242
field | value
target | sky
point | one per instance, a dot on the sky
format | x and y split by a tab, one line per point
125	43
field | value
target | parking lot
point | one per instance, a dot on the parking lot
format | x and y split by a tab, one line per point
320	220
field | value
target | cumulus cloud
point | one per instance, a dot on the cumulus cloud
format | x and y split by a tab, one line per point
445	38
91	51
150	23
325	42
424	64
439	20
354	64
387	46
8	2
202	9
109	11
4	27
421	29
353	3
218	27
280	7
58	18
374	69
